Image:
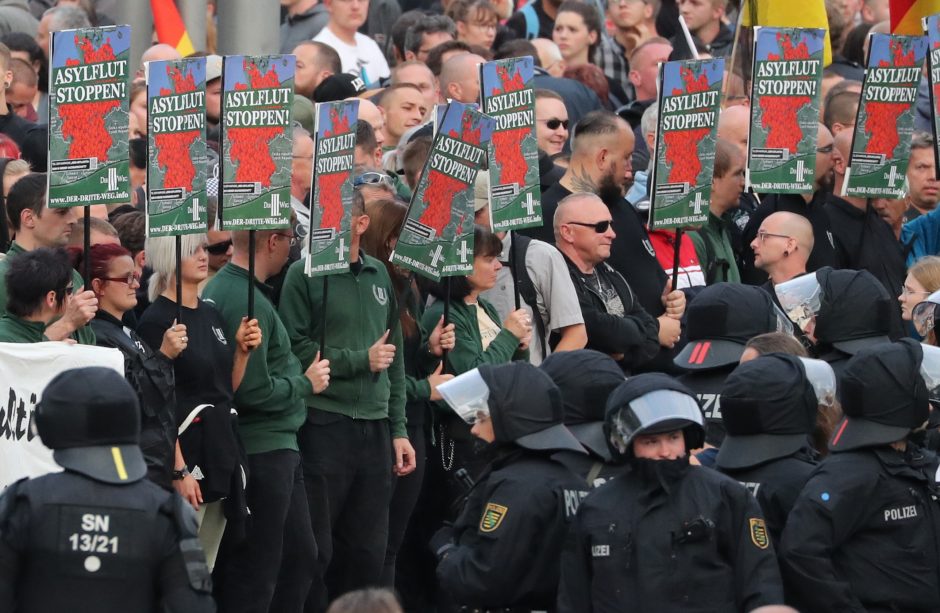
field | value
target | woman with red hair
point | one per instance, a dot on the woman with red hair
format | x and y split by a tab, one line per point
114	279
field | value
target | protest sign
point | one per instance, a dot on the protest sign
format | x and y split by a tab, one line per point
88	117
932	31
176	141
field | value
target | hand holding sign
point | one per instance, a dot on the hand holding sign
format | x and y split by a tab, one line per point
381	354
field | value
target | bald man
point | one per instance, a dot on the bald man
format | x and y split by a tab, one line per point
549	56
373	115
600	164
615	321
782	247
418	74
863	240
157	53
460	78
733	125
810	206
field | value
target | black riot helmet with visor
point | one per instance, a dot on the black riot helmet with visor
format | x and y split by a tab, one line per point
651	403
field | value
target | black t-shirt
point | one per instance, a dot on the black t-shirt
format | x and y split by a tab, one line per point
517	23
204	369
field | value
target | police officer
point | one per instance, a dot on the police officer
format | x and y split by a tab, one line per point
504	549
98	536
586	378
665	536
864	533
719	321
840	312
769	408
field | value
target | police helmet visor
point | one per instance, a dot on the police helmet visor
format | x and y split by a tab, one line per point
801	299
784	325
659	408
924	314
930	368
820	375
467	395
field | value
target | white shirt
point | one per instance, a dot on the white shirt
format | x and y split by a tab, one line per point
364	59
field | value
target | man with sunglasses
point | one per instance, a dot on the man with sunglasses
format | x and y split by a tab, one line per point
810	205
616	323
38	226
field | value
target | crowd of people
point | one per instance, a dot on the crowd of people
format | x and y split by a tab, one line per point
739	417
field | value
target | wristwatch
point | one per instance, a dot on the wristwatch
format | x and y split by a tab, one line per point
181	474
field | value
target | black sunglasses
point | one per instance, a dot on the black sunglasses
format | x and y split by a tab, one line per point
600	226
552	124
219	248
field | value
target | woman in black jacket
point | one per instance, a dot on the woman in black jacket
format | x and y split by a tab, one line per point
114	279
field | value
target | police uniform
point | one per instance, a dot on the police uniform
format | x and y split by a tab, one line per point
504	549
865	531
97	537
666	536
770	413
586	378
719	322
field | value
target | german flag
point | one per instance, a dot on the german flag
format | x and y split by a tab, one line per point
169	26
906	15
789	14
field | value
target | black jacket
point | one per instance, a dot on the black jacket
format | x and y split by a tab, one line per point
776	485
865	242
701	546
635	334
150	373
864	534
510	536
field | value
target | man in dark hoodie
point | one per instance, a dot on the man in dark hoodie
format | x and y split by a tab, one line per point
769	408
586	379
504	549
720	321
864	533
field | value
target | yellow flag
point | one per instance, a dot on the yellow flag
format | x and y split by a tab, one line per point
788	14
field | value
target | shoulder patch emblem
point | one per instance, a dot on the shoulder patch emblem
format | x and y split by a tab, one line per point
492	517
759	533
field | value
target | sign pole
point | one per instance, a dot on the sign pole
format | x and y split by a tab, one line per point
675	259
446	320
86	247
251	274
179	279
514	269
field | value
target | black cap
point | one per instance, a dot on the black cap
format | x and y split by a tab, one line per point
637	387
586	379
90	418
525	407
768	408
720	320
338	87
883	396
855	310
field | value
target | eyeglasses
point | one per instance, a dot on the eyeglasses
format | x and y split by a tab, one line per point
826	149
373	178
763	234
599	226
130	279
292	239
554	123
219	248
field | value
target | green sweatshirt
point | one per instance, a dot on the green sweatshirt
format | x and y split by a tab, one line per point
360	308
271	398
713	247
83	335
468	353
16	330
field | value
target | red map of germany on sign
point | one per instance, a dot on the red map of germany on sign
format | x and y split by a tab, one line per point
881	122
250	152
778	113
83	124
682	145
173	148
441	189
507	144
331	184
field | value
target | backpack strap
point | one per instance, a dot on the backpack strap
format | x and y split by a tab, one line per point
531	21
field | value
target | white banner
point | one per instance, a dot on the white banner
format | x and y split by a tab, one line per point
25	369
